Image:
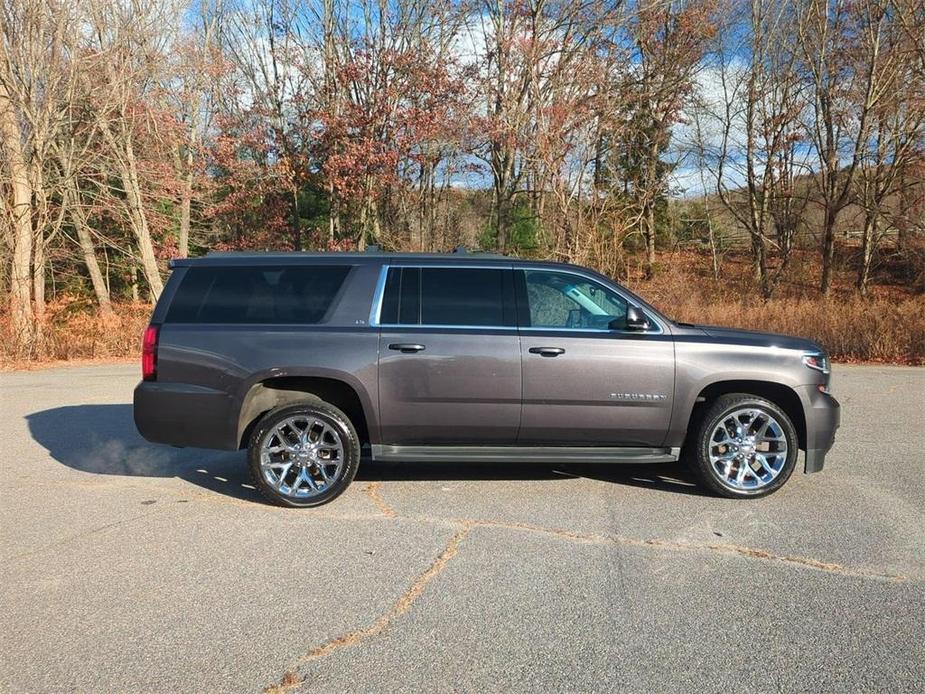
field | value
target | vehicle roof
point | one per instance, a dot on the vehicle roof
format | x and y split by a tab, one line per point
352	257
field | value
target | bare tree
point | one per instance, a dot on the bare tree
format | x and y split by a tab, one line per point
897	140
847	74
670	40
758	158
36	89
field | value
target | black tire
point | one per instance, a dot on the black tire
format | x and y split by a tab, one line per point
316	409
696	453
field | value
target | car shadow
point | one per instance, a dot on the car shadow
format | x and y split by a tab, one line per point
102	439
668	477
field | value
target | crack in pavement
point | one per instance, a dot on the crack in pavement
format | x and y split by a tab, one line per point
291	679
372	491
81	535
727	549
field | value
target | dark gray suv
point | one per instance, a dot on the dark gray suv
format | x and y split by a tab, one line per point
308	360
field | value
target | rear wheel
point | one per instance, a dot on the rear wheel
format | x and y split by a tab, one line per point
303	455
743	446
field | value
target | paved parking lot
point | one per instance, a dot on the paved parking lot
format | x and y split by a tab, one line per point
126	566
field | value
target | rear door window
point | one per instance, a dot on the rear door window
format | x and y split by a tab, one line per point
452	297
261	295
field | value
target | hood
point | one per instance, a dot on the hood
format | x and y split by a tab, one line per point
754	338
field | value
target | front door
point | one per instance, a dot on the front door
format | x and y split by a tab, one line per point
449	357
586	380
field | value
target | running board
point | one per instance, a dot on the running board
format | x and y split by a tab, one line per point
523	454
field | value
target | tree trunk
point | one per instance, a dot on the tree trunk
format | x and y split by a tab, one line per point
142	232
649	232
828	250
333	216
713	253
84	238
38	283
296	219
21	219
134	280
185	204
502	216
764	277
868	242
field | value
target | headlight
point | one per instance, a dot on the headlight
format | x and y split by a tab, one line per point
819	362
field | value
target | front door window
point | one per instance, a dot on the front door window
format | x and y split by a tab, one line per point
564	300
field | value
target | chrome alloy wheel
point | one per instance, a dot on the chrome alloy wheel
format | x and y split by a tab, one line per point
748	449
302	456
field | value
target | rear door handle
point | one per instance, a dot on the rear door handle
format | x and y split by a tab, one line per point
406	347
547	351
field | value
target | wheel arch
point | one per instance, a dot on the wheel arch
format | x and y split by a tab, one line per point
275	391
780	394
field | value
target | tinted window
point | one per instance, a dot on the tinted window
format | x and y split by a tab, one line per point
564	300
448	296
293	294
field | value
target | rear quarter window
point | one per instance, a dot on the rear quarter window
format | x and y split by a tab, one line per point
257	295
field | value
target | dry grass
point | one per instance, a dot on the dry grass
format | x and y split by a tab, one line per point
74	331
887	327
851	330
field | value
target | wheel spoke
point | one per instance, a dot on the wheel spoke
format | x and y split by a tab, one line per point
296	483
740	476
764	463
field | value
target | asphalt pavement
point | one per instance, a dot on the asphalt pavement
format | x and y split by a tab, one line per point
131	567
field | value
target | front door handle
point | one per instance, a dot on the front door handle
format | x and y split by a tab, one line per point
547	351
406	347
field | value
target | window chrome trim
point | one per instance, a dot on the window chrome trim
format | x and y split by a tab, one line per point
592	330
376	309
433	326
661	328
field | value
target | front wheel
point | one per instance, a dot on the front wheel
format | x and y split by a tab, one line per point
304	454
744	446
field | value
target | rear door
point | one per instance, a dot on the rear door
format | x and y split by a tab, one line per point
449	356
587	381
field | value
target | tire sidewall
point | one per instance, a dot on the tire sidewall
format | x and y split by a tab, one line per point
712	419
319	410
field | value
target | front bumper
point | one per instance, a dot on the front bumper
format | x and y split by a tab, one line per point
823	417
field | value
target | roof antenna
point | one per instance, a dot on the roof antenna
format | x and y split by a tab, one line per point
372	249
460	250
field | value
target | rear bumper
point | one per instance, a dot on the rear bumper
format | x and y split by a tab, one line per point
181	414
823	417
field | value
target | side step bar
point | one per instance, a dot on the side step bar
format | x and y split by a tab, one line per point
523	454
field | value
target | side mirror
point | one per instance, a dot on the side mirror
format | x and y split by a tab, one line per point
636	319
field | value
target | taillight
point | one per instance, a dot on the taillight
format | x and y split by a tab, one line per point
149	354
